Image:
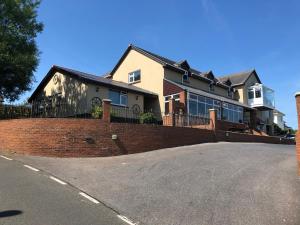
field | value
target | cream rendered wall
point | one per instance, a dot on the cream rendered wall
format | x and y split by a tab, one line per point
194	83
80	94
69	88
103	93
151	75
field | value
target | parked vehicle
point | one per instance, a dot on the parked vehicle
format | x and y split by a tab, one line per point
289	136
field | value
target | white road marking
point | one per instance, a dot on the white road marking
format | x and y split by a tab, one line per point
4	157
125	219
89	198
32	168
58	180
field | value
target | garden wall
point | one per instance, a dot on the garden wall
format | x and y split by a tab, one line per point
91	137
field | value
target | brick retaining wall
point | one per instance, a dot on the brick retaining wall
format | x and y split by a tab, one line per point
90	137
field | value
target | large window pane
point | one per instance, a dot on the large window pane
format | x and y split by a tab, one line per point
201	99
114	96
257	93
123	99
225	114
201	108
193	107
250	94
209	101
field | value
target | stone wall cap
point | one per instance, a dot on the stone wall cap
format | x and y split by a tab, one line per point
297	94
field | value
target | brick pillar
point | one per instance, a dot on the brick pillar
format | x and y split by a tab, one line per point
213	119
183	99
106	110
298	133
253	119
172	112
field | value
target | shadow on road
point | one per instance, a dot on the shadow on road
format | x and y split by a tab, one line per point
10	213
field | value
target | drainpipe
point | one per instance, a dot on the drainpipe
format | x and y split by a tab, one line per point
188	107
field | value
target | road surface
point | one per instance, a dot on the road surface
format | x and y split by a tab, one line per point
31	197
206	184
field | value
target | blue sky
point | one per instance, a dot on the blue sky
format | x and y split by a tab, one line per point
225	36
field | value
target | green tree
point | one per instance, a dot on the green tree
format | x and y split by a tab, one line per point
19	55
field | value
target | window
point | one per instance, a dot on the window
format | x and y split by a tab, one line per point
200	105
118	97
167	100
230	93
257	93
134	76
185	77
250	94
232	113
211	87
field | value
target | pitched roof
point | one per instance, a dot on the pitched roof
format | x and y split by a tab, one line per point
239	78
210	95
89	78
168	63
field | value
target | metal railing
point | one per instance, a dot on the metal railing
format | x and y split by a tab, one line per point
45	110
82	110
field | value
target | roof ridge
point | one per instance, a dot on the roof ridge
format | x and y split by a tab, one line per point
237	73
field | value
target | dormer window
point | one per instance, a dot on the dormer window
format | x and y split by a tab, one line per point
134	76
211	87
230	93
185	77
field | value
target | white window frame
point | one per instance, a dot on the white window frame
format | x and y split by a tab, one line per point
121	93
185	75
172	96
131	75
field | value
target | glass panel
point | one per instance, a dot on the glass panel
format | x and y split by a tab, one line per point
201	98
269	96
137	75
236	117
194	97
166	107
114	96
176	97
225	114
209	101
216	102
123	99
131	79
201	108
257	93
250	94
231	116
193	107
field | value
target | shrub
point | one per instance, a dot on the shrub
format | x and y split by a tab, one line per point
97	112
148	118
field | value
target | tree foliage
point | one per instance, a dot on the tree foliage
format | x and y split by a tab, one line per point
19	54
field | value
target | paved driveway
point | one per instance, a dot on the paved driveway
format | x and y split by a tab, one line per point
216	184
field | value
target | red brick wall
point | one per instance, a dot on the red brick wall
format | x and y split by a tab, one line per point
226	125
89	137
239	137
169	88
